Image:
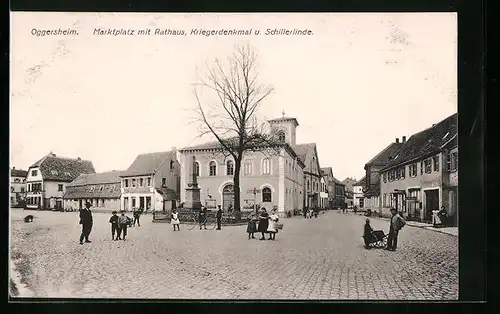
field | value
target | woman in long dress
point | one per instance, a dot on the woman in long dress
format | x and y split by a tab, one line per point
436	221
271	228
263	223
175	220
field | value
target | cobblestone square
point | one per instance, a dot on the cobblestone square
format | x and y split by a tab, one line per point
319	258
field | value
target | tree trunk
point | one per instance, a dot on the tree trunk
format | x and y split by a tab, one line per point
236	179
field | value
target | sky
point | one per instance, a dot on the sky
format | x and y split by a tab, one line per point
357	83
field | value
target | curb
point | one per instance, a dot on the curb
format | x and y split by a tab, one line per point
422	227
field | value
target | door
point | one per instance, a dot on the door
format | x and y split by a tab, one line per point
228	197
431	203
361	202
141	202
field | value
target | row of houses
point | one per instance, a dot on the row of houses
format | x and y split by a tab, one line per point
415	176
288	180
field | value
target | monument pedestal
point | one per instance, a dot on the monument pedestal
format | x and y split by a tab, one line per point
193	198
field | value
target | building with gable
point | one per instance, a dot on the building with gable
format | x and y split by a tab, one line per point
312	173
279	179
371	190
47	180
358	196
152	182
17	186
423	175
102	190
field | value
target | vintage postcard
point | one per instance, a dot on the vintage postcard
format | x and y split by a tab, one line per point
234	156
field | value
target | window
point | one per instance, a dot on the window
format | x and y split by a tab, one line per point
435	160
308	185
213	168
266	166
149	181
454	161
126	183
247	168
101	188
34	173
22	189
133	183
428	165
141	182
421	167
398	174
385	177
163	182
229	168
266	195
281	136
92	188
133	202
60	187
171	164
197	168
412	169
12	189
102	203
403	172
29	187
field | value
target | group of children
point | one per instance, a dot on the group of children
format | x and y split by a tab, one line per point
119	225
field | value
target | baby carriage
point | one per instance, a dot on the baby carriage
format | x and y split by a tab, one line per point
377	239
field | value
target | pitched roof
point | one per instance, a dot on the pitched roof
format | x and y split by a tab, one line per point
145	164
303	149
167	194
382	158
337	181
427	142
361	182
373	190
89	191
55	168
18	173
97	178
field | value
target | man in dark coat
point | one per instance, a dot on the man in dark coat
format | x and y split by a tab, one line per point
86	222
202	217
218	216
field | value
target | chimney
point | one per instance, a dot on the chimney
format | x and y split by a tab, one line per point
78	158
397	139
404	139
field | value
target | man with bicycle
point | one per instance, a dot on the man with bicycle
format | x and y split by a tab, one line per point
202	217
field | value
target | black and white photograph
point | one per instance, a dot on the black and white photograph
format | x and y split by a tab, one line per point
234	156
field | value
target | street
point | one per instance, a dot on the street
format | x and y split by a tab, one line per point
319	258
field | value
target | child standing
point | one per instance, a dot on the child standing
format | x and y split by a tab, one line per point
114	225
123	222
252	226
175	220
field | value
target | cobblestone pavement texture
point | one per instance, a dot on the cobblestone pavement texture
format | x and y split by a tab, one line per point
319	258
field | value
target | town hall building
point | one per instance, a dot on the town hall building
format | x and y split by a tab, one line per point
287	180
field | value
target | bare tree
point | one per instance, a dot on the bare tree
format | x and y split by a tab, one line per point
230	116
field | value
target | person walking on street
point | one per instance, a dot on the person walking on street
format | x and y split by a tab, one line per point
263	223
202	217
86	221
218	216
175	220
114	225
137	215
397	222
123	222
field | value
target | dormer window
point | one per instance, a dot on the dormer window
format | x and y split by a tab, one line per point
54	172
67	173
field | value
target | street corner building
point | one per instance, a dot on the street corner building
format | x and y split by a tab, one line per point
358	196
47	179
152	182
423	175
371	189
269	180
102	190
17	187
